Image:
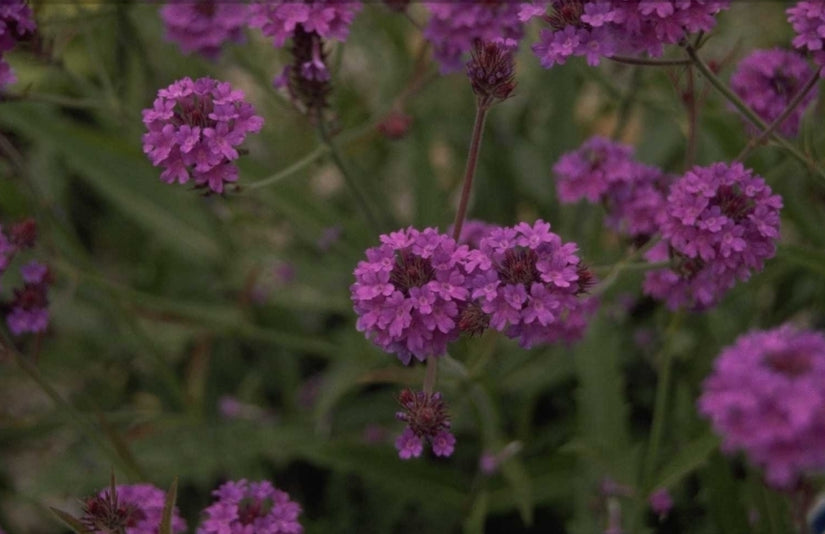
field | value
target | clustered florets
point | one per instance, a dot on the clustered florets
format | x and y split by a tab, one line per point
279	20
203	26
604	171
419	290
194	129
427	421
133	509
765	397
491	70
16	22
808	21
244	507
28	309
767	81
722	223
603	28
454	27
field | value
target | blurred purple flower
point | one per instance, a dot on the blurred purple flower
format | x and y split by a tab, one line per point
251	507
329	236
133	509
194	127
808	21
329	19
454	27
767	80
660	502
203	26
16	22
765	397
28	310
722	224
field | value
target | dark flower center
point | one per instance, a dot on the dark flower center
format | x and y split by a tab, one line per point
473	320
733	203
789	363
519	267
105	514
425	413
411	271
250	509
566	13
586	279
194	111
686	267
783	85
206	7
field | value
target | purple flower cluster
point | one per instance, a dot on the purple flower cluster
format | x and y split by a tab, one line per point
808	21
28	309
604	171
722	223
603	28
529	284
251	507
765	397
15	23
329	19
767	80
409	293
203	26
133	509
427	420
454	27
419	290
194	127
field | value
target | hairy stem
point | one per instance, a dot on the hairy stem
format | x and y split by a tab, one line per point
470	170
650	62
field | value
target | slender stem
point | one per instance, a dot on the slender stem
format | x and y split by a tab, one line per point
650	62
86	428
431	374
693	116
470	170
350	181
626	105
662	395
627	264
743	108
292	169
792	105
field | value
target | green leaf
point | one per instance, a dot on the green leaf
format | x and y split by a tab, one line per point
71	521
169	508
518	478
691	457
474	524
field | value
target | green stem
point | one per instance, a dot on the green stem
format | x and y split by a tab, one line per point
86	428
431	374
470	170
792	105
350	181
693	118
292	169
660	404
650	62
751	115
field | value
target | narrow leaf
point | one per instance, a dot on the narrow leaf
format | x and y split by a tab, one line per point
690	458
71	521
169	508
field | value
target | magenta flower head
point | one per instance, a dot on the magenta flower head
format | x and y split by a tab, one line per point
722	224
603	28
29	309
251	507
808	21
530	284
427	421
16	22
203	26
133	509
409	293
604	171
765	397
454	27
329	19
767	80
194	129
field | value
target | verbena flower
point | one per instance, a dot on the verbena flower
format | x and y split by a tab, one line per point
427	421
530	284
765	397
603	28
133	509
409	292
251	507
203	26
329	19
29	309
604	171
492	71
472	232
454	27
16	22
767	80
808	21
722	224
194	129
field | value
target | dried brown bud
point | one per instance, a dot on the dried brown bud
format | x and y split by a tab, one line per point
395	125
